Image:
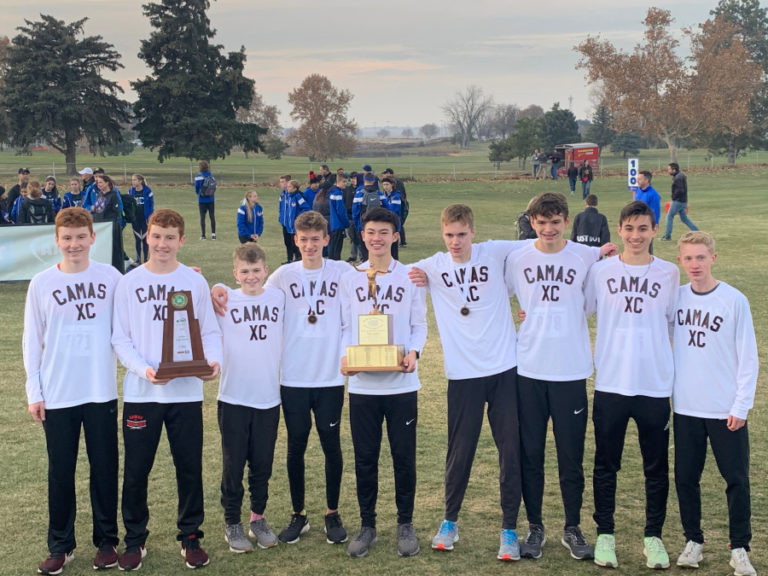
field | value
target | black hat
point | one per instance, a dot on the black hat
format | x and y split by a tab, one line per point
23	170
389	171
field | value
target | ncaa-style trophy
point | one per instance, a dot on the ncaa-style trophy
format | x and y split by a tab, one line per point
375	351
182	344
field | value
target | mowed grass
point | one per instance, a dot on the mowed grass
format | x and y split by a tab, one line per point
730	204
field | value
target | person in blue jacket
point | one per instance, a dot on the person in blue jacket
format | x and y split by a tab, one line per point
205	188
75	195
648	194
339	220
145	206
292	203
394	203
250	218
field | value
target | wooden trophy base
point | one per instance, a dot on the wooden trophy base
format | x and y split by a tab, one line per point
375	358
171	370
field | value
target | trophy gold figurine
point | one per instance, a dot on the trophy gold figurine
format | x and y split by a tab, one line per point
375	351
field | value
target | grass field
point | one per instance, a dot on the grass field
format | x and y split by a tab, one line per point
729	203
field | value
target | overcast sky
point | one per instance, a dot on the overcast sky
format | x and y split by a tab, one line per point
402	59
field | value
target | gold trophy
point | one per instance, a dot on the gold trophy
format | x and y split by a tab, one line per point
375	351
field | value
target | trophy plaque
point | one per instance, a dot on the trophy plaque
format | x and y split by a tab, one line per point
182	344
375	351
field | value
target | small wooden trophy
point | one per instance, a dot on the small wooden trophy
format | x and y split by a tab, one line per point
182	344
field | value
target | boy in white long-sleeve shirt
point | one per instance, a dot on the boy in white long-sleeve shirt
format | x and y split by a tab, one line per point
716	369
376	396
150	403
71	383
634	296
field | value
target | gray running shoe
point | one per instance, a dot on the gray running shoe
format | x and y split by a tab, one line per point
362	541
260	530
407	543
236	538
691	556
446	536
574	540
534	541
509	547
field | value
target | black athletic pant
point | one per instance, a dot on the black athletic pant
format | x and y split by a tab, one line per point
298	406
402	235
336	244
140	240
208	207
366	417
611	414
142	427
566	404
291	249
247	435
466	404
118	255
731	450
62	438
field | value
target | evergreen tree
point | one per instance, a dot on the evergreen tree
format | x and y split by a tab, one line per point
53	88
187	107
600	131
558	126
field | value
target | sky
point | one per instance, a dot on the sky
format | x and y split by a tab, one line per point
401	59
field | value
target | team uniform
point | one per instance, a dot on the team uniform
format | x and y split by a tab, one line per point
376	396
554	359
246	228
310	378
716	368
71	367
339	222
291	205
145	206
635	306
140	309
470	300
248	402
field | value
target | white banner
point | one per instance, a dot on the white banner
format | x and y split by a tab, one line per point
27	250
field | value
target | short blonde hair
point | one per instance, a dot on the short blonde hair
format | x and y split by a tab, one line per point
458	213
697	237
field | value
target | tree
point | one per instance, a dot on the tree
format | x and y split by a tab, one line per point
53	88
532	111
4	134
503	120
626	143
652	91
600	131
725	98
558	126
465	112
325	132
268	118
751	21
526	138
429	131
187	107
383	133
407	133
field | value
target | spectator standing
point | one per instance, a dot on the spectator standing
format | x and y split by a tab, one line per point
16	189
679	203
405	206
536	163
586	176
590	227
355	251
205	188
145	206
573	174
250	218
35	209
292	203
75	195
51	193
339	221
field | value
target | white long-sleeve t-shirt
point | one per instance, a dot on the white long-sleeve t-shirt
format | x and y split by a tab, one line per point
715	353
482	342
137	333
635	307
66	344
407	303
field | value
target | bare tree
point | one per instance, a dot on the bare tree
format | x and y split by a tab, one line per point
465	113
503	120
407	133
325	132
533	111
383	133
429	131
